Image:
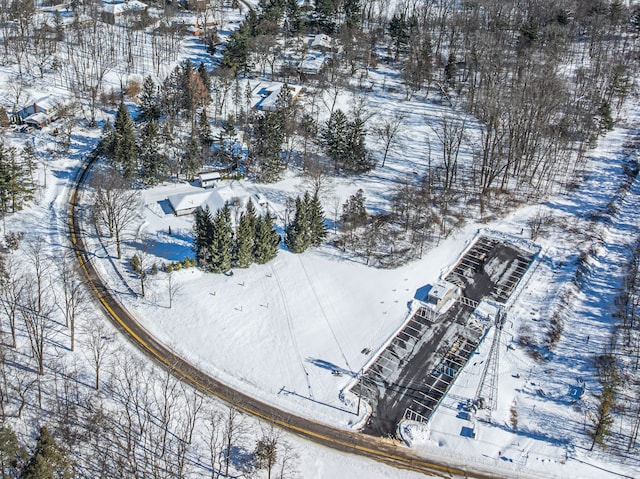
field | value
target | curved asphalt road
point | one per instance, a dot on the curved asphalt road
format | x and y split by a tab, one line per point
379	449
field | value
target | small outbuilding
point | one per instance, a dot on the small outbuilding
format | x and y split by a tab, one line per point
208	180
441	293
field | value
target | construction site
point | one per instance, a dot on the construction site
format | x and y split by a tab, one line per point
411	376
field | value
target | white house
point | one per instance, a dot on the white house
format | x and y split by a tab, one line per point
208	180
322	43
112	10
312	64
236	197
265	95
186	203
40	112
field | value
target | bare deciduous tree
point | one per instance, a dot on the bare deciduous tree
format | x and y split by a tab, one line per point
116	207
73	299
214	440
173	288
232	431
387	132
98	340
37	319
267	449
450	132
11	286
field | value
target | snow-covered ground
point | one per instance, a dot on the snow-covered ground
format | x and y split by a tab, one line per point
278	331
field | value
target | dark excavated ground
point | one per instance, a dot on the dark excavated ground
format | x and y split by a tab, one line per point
414	372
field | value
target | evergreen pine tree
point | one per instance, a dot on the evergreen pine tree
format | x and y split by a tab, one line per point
334	137
186	72
9	450
49	461
297	234
325	11
228	132
30	160
317	228
171	94
204	129
221	248
226	138
603	420
124	152
203	236
152	161
251	213
204	75
245	238
236	56
353	217
107	139
295	18
191	159
16	183
266	241
354	213
149	101
357	159
267	148
399	32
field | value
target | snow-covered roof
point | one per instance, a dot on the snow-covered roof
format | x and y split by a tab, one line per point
265	95
118	8
321	41
227	195
45	103
214	175
37	119
188	201
215	199
46	15
441	289
313	63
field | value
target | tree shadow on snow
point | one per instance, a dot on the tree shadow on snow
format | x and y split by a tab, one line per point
321	363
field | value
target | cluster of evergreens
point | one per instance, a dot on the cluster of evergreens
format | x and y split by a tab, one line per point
308	227
343	141
269	129
47	461
219	248
156	151
17	184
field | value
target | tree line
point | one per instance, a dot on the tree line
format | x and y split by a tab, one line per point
219	245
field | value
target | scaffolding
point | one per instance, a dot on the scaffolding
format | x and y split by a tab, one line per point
486	396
